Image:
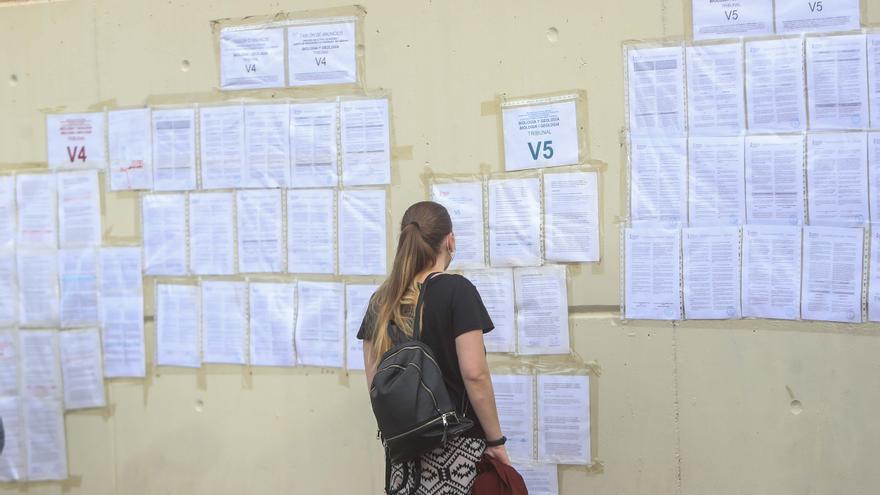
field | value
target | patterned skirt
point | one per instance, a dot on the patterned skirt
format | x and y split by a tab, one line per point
448	470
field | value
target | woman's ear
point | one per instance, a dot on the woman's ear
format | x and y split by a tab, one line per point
450	242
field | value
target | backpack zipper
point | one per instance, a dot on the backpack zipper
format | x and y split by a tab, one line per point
412	347
423	425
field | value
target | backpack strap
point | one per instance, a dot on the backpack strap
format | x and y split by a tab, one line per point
417	316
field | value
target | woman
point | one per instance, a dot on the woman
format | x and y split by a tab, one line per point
453	322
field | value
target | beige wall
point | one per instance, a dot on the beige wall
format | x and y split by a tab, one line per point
690	408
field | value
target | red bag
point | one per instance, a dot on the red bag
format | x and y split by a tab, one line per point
496	478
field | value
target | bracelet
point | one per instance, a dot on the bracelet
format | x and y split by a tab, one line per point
496	443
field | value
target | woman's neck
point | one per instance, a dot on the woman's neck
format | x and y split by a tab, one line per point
439	266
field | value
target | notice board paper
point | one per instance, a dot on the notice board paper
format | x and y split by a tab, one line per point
542	310
495	287
711	272
129	133
537	136
656	91
174	149
311	231
564	419
75	141
224	324
251	58
515	222
771	271
832	286
464	202
322	54
652	274
81	369
272	310
320	323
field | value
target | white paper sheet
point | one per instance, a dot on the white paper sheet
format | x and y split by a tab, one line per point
652	274
36	197
716	182
313	151
178	311
164	234
8	288
40	364
174	149
9	365
224	322
75	141
272	310
515	222
7	211
656	91
832	272
320	324
362	235
37	288
564	419
12	466
515	400
122	312
537	136
711	273
122	320
357	299
540	479
713	19
571	217
775	85
496	290
464	202
874	175
211	233
266	145
129	133
775	180
837	82
79	209
251	58
799	16
716	103
771	271
873	46
366	145
82	369
221	131
658	182
121	272
78	284
874	275
44	439
322	54
260	236
311	231
542	310
837	179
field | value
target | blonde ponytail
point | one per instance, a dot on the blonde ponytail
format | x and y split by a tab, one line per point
424	227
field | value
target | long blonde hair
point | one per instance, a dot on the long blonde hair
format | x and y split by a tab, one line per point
422	230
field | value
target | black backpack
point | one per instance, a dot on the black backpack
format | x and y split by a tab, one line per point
410	401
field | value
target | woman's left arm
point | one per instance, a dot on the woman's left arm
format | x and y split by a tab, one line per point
369	369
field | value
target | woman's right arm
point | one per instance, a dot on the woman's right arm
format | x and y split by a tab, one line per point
478	383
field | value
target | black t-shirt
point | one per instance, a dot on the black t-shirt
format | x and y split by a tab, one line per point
452	306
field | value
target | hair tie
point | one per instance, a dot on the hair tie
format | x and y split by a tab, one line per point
416	224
